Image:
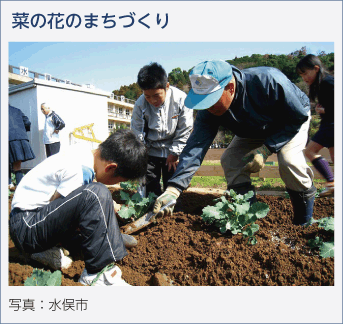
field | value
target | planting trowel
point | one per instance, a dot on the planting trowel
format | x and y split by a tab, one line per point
144	220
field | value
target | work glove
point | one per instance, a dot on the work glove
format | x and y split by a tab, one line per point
256	159
170	194
129	241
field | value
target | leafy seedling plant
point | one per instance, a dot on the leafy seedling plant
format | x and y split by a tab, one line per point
44	278
135	206
129	185
326	249
236	215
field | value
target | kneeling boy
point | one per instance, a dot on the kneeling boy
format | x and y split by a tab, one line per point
58	197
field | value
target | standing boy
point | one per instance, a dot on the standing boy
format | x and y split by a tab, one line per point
58	198
162	121
53	124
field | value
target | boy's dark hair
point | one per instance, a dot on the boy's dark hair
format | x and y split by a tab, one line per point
124	148
308	63
152	76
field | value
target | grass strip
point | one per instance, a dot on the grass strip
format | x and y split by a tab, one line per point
218	182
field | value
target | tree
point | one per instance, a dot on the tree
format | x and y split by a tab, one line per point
176	76
179	85
119	126
285	63
133	91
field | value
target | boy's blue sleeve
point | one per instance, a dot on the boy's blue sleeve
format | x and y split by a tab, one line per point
88	175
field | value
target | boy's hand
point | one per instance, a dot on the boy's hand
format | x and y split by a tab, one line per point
256	159
170	194
55	131
172	161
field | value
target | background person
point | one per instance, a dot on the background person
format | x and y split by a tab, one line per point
58	198
321	83
19	148
53	124
267	113
162	121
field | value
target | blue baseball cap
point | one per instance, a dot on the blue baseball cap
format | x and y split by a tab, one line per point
208	80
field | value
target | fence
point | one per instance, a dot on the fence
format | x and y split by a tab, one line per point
269	171
266	172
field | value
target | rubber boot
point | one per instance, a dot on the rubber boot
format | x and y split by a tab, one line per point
243	188
302	205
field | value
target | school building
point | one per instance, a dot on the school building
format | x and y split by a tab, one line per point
90	114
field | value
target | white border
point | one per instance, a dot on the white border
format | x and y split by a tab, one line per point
189	21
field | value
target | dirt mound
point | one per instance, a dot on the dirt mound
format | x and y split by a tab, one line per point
182	250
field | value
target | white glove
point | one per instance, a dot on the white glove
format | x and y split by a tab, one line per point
256	159
170	194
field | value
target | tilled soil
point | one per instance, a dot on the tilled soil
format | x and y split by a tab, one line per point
182	250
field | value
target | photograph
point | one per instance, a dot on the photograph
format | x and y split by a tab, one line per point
170	164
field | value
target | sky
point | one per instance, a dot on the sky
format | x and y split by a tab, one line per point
110	65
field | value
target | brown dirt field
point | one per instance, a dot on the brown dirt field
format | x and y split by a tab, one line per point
182	250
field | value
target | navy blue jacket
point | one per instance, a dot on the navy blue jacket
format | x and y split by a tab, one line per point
18	124
326	98
267	105
57	121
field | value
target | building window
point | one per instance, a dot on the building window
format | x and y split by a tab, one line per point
110	125
128	115
110	108
120	110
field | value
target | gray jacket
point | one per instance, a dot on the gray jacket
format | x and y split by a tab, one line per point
166	129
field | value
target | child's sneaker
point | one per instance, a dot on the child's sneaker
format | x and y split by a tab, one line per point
110	277
328	191
54	258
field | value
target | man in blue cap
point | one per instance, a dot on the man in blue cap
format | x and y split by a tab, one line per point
267	113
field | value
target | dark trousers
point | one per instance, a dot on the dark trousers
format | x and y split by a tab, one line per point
156	167
88	209
52	148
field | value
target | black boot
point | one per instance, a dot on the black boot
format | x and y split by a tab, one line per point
242	189
302	205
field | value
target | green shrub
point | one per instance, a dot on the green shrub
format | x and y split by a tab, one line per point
326	249
237	216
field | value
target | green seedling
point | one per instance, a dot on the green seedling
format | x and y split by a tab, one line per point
135	206
44	278
326	249
236	215
129	185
